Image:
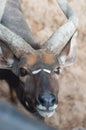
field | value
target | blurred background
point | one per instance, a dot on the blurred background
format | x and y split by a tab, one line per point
44	17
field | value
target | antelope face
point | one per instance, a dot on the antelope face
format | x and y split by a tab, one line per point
37	69
39	84
38	72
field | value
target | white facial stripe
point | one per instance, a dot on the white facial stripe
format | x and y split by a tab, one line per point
46	70
41	107
44	108
26	103
0	50
46	114
37	71
53	107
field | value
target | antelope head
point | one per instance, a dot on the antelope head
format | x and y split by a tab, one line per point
37	69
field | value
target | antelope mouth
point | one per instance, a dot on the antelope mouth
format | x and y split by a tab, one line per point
44	112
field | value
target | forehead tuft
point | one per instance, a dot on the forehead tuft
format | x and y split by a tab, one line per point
48	58
31	59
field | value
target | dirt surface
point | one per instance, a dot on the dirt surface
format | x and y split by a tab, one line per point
43	18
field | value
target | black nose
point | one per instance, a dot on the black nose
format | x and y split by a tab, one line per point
46	100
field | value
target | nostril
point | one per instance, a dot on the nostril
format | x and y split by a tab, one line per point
53	100
41	99
46	100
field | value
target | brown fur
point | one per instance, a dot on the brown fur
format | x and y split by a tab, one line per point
29	86
31	59
48	58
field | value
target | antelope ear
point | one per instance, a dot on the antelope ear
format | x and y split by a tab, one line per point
68	54
6	57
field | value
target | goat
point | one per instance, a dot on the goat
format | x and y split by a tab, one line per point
31	71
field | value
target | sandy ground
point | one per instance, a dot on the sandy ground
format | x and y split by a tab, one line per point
43	18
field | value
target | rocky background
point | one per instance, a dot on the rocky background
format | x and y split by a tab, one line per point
44	17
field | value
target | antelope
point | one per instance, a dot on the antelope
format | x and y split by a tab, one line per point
31	70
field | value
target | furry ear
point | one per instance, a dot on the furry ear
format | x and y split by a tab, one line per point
68	54
6	57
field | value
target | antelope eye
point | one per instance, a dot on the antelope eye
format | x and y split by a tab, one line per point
57	70
23	72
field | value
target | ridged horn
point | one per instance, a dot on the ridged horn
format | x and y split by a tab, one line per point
16	44
61	36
